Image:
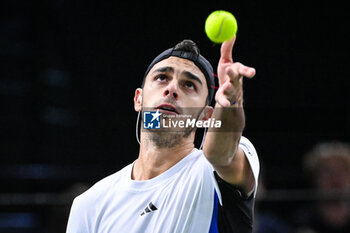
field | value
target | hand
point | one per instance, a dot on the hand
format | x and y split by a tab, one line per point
230	75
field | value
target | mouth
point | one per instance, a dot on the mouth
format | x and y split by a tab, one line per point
167	109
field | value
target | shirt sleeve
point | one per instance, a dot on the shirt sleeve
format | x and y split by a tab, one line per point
77	218
253	159
235	210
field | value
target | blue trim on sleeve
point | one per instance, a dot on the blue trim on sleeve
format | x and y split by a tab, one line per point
214	220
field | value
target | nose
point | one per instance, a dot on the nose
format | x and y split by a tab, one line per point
171	91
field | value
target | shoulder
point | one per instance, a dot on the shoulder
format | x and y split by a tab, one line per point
87	206
252	156
99	190
247	146
250	152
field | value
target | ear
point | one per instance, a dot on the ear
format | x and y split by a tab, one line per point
138	100
206	113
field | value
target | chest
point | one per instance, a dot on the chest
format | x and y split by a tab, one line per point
177	205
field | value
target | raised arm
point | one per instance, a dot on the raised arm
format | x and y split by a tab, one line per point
221	146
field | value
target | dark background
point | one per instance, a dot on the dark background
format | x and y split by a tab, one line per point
69	70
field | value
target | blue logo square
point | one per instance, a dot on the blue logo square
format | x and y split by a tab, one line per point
151	120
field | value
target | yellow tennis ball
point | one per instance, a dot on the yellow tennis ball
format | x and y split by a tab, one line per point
220	26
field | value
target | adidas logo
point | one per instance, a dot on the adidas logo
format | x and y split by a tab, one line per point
149	208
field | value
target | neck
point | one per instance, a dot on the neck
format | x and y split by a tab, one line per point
154	160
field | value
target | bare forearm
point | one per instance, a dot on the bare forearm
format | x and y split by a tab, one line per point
221	144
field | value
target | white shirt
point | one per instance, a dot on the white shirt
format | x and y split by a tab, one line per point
180	200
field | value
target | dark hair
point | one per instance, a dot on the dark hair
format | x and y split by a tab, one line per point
186	46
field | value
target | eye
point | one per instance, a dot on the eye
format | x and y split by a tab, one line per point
161	77
190	85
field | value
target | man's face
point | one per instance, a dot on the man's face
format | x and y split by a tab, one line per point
174	86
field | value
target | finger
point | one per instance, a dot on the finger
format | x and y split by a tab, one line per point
221	97
242	70
247	71
233	74
223	101
225	88
226	50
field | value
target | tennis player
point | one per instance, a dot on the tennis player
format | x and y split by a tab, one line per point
172	187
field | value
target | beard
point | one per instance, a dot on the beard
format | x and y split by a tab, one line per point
169	139
172	136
